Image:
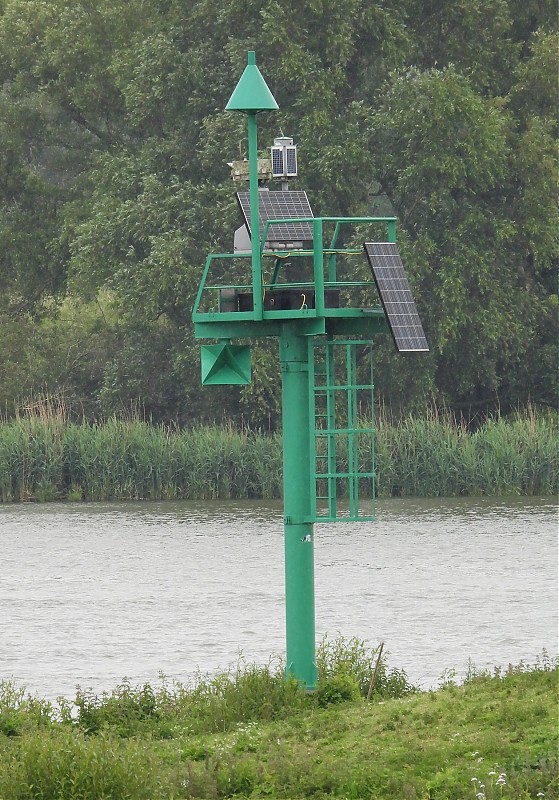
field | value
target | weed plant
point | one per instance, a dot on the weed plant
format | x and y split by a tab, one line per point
45	456
246	693
351	657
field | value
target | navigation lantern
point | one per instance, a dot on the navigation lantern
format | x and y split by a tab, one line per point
284	158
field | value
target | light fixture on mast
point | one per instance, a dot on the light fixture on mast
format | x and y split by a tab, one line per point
284	159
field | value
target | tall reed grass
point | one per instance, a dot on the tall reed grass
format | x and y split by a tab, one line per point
436	455
46	456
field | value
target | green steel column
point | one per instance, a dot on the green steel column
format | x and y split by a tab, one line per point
299	545
254	215
318	267
331	421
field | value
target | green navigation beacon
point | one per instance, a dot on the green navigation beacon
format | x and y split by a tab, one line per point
291	276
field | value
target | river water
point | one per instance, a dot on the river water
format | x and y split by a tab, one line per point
91	593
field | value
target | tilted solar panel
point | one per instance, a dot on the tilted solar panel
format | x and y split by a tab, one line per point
396	297
280	205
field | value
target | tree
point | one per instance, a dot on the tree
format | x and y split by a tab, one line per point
114	179
32	269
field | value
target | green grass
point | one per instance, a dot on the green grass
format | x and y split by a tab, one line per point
47	457
249	734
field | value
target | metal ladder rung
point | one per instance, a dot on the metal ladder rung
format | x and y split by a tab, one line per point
325	475
345	431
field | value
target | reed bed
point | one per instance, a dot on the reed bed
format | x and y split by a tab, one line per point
48	457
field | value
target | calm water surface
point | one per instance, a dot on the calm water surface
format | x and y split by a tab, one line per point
92	593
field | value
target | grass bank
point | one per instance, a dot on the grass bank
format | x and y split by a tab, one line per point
248	734
46	457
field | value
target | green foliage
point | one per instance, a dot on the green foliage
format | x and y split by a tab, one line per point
124	711
445	154
341	688
498	730
19	712
44	456
68	351
345	664
239	697
113	151
32	270
445	35
62	763
436	456
217	703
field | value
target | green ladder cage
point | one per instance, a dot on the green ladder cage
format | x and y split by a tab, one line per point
343	444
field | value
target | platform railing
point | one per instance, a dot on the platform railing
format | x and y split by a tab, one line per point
319	282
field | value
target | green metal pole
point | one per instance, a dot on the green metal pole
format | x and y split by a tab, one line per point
318	266
331	422
299	545
254	215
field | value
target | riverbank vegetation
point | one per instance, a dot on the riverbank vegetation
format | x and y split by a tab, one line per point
47	457
250	734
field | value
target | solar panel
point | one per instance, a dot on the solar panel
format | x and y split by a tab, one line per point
278	167
291	162
280	205
396	297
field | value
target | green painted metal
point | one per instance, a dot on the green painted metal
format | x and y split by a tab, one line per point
318	267
299	536
321	378
251	92
257	286
252	95
225	364
256	262
342	449
322	443
217	329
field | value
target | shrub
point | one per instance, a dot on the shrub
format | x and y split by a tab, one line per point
340	688
63	764
19	712
353	657
124	711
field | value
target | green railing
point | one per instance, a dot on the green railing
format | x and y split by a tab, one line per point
319	282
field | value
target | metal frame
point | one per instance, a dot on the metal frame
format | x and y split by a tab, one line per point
326	388
318	282
302	391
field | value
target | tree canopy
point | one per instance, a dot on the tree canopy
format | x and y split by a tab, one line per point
114	186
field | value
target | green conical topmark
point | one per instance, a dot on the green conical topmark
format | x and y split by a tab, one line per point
251	94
